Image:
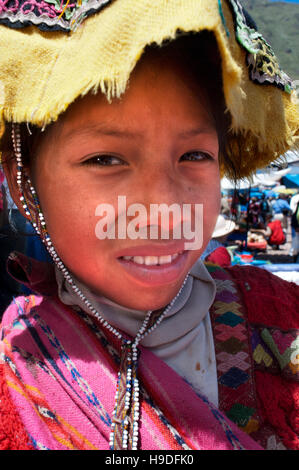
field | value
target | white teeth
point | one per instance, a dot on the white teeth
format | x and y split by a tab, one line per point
165	259
138	259
152	260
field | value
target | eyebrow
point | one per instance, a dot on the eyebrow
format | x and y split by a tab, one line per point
101	129
113	131
210	129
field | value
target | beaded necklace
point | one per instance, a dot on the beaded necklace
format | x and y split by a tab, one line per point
126	414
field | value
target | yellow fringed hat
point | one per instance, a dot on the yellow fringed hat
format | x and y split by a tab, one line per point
53	51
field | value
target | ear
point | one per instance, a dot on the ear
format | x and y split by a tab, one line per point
9	165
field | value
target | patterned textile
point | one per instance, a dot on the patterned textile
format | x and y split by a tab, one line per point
48	350
262	63
242	349
61	371
48	15
276	351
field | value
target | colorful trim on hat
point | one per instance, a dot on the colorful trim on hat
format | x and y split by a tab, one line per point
262	63
66	15
48	15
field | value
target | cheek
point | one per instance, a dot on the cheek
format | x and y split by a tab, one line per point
70	216
209	196
207	192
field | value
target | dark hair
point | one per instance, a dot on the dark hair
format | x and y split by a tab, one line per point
200	54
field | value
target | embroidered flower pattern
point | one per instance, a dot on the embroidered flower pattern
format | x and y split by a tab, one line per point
261	60
48	15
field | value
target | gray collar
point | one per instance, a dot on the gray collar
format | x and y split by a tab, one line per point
179	326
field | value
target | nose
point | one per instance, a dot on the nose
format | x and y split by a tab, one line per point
161	193
160	184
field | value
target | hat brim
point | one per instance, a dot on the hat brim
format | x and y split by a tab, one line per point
42	73
226	230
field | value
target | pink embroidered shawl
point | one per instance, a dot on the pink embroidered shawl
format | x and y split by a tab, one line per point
61	370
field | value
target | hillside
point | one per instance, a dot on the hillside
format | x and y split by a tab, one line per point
279	23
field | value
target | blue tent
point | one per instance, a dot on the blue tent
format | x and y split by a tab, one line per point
254	193
291	181
270	193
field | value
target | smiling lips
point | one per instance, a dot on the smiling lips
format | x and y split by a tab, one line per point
155	264
158	250
152	260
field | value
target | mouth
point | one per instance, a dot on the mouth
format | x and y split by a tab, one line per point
155	270
151	260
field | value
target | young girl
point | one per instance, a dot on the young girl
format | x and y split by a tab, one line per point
130	341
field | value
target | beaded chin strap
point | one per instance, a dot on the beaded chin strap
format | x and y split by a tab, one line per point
126	414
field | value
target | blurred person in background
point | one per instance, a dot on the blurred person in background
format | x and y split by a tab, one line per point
273	233
281	210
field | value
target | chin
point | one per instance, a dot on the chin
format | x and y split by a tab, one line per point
150	302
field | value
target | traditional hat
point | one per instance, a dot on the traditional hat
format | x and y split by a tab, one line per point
53	51
223	227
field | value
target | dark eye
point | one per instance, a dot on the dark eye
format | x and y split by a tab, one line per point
104	160
195	156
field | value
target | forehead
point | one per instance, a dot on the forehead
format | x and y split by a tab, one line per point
162	90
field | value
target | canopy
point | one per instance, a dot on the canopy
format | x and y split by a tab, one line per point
287	191
268	178
227	184
270	193
291	181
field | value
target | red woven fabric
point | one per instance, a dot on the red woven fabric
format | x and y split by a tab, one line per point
13	435
273	302
279	402
220	256
269	300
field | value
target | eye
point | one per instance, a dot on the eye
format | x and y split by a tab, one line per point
196	156
104	160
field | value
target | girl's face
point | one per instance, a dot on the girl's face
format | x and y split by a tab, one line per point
157	145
